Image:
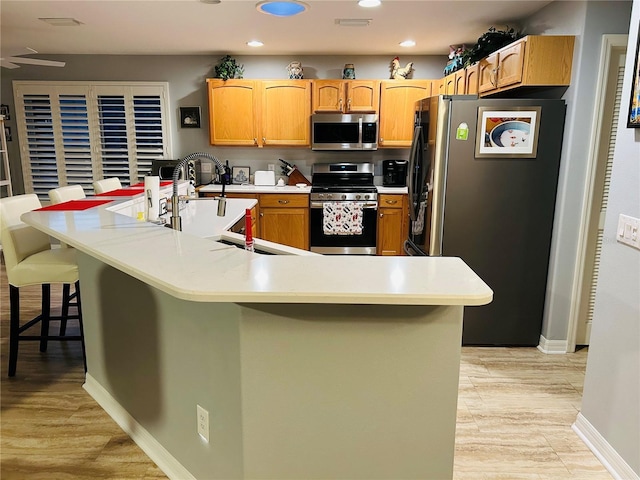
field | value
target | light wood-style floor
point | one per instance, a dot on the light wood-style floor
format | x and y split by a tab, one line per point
515	410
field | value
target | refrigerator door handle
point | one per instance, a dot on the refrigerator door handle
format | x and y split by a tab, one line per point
413	153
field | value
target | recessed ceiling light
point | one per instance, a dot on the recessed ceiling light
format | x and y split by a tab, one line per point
61	22
255	43
369	3
211	2
353	22
283	8
408	43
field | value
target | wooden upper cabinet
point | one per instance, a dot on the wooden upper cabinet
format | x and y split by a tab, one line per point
233	112
346	96
450	84
471	81
532	61
397	110
460	80
285	112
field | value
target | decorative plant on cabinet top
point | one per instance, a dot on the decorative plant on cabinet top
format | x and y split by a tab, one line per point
229	68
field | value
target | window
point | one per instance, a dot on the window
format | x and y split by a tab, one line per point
72	133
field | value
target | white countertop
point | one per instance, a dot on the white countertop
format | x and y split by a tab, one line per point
213	188
193	268
284	189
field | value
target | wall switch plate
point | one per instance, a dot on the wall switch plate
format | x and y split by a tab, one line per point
628	231
203	423
271	167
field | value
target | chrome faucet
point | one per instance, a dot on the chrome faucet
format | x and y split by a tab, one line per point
176	221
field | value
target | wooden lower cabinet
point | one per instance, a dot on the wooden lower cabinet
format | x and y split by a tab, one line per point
392	224
284	219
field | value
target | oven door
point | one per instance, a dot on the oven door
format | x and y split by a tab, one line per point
323	241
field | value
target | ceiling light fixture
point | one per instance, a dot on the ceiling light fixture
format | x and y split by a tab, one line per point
369	3
255	43
353	22
408	43
283	8
211	2
61	22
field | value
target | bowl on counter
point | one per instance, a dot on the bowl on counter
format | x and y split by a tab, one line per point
301	185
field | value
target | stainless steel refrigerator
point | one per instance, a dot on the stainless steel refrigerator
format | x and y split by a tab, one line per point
483	176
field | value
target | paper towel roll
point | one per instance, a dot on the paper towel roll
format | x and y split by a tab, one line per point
152	198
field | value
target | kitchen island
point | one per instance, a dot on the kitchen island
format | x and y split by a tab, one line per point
326	367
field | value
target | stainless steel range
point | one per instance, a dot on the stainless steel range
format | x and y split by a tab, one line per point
344	206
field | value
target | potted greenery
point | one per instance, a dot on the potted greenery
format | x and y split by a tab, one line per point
488	43
229	68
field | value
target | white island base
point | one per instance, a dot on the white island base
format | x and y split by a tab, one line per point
293	391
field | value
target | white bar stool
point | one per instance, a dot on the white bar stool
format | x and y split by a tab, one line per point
30	260
60	195
106	185
64	194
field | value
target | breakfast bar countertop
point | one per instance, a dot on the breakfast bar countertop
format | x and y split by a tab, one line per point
183	265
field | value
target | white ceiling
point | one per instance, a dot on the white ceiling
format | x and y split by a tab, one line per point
187	27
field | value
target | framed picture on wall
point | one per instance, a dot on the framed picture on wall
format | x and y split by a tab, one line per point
509	132
634	104
240	175
190	117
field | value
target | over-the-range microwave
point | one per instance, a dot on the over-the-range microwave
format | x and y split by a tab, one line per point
335	131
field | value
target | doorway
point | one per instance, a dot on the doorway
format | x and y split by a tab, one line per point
609	95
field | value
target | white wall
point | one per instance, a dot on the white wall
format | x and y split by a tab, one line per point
611	400
588	21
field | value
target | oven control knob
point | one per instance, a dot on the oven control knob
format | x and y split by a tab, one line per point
358	197
366	197
344	197
329	195
321	195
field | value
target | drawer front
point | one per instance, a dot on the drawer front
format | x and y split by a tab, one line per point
390	201
268	200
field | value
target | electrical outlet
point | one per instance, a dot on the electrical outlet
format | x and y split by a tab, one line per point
271	167
203	423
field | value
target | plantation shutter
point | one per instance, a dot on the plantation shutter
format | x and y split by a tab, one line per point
75	132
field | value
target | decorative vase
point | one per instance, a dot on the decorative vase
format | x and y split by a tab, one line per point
295	71
349	72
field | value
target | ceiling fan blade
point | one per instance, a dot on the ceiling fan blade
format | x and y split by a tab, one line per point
6	64
35	61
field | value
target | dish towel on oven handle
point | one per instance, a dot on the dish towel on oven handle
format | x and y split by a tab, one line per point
342	218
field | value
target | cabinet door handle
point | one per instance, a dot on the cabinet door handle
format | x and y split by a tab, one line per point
262	214
494	79
255	141
381	215
264	140
340	104
392	202
349	105
283	202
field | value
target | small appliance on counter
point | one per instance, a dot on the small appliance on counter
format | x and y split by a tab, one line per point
394	173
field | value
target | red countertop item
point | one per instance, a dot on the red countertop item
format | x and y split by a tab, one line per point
122	192
165	183
74	205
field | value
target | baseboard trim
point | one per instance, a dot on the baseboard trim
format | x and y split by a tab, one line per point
612	461
552	346
154	450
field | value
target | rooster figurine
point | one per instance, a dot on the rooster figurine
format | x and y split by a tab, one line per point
400	73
